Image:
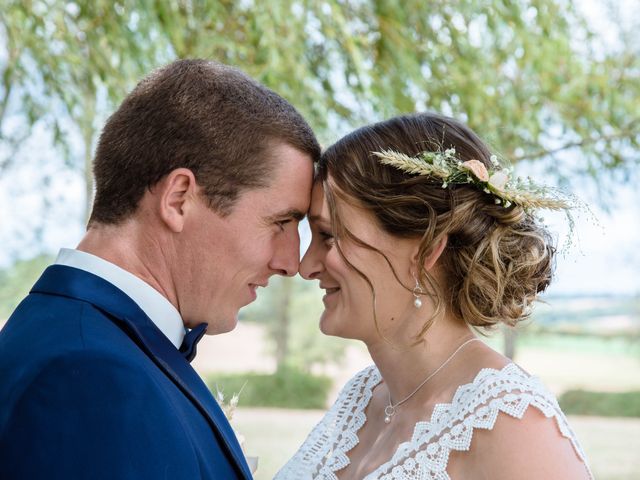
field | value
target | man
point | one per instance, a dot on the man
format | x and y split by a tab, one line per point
202	175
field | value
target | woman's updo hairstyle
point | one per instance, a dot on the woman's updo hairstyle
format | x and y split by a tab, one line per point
497	259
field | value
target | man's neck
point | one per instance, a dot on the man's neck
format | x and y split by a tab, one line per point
124	246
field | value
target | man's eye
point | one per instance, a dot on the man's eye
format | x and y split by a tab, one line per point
281	224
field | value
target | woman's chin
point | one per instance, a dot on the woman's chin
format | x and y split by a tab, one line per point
328	324
324	324
333	326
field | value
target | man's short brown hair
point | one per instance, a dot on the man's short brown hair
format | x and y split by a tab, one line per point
210	118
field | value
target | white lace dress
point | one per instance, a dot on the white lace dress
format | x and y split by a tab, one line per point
426	454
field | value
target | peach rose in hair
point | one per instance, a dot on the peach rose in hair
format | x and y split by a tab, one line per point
477	168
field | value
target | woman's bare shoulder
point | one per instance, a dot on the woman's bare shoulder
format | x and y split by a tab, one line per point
531	447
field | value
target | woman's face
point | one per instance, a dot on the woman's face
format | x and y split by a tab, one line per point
348	300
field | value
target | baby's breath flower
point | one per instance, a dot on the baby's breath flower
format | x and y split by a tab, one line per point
499	179
228	408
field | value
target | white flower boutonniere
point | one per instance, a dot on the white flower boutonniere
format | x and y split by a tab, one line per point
229	409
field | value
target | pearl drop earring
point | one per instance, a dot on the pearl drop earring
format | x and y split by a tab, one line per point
417	291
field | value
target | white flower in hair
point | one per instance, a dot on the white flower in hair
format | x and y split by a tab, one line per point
498	180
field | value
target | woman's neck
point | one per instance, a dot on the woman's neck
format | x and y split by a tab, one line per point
404	367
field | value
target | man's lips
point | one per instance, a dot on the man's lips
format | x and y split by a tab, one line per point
254	286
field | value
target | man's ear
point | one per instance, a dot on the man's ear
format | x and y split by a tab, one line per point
177	194
433	257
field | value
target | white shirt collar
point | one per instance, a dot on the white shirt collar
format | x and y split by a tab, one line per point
157	307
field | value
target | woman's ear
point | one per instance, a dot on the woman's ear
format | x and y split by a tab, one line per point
437	250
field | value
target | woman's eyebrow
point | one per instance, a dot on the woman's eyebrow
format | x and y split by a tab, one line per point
317	218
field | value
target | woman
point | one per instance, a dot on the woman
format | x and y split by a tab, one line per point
419	240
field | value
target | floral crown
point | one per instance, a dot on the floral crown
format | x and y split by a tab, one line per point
499	182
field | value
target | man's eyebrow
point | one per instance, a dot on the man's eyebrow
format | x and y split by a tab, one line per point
291	214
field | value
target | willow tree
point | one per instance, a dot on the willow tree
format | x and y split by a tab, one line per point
68	63
526	74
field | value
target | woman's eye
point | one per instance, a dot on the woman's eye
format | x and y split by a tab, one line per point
326	237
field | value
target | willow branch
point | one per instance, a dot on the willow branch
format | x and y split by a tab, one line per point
577	144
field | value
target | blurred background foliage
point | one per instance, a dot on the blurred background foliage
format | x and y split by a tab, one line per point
528	75
290	309
16	281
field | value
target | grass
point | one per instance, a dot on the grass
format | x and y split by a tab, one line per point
578	363
287	388
604	404
273	435
611	446
593	345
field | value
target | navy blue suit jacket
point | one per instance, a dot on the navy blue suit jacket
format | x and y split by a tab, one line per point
90	388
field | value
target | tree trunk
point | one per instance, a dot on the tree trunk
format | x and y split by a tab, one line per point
282	323
510	337
88	132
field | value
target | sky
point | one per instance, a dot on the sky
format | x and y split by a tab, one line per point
605	255
604	258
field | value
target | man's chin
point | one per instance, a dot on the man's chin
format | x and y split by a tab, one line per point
223	325
217	326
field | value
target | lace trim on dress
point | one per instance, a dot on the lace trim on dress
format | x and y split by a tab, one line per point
325	449
426	454
474	405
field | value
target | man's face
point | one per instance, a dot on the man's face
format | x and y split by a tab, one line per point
225	259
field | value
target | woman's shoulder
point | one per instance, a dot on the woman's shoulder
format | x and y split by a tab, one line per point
515	421
488	376
509	377
509	389
529	445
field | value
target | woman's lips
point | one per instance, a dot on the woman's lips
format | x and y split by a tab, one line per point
330	292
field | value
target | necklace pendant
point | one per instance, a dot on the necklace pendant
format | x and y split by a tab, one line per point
389	411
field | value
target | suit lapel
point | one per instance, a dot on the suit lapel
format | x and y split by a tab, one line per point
124	312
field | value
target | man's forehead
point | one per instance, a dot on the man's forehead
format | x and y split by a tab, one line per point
291	203
318	210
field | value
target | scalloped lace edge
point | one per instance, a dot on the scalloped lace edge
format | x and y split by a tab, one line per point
326	448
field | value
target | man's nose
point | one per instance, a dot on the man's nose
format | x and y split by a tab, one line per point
286	258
